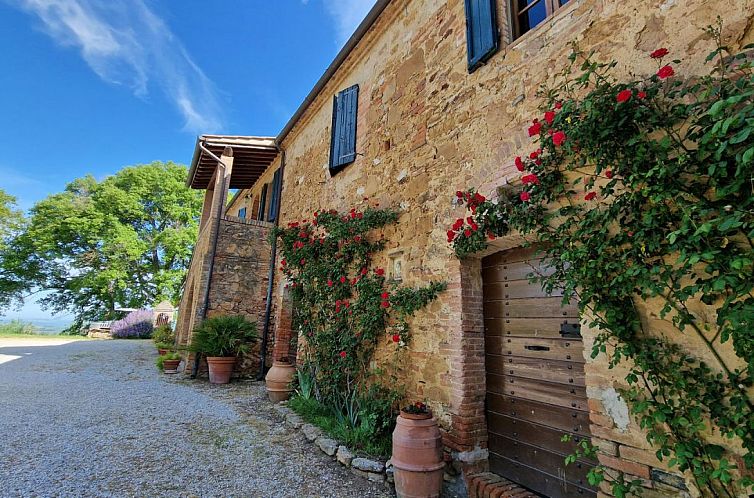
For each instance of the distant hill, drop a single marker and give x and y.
(45, 326)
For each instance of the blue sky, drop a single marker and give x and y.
(90, 86)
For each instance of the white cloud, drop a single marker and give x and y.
(125, 43)
(347, 15)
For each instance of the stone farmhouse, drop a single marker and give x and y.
(427, 97)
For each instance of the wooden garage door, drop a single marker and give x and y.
(535, 379)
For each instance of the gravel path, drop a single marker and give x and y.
(95, 418)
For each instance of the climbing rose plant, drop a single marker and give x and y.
(344, 306)
(637, 191)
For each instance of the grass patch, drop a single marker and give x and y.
(17, 327)
(361, 439)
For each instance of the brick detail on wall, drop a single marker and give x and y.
(489, 485)
(466, 352)
(285, 347)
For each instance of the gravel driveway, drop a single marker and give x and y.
(95, 418)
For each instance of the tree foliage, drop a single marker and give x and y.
(11, 222)
(638, 191)
(123, 241)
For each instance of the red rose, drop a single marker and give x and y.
(659, 53)
(642, 95)
(519, 163)
(550, 117)
(525, 196)
(396, 338)
(630, 234)
(302, 262)
(665, 72)
(458, 224)
(342, 280)
(451, 235)
(467, 232)
(535, 128)
(532, 178)
(590, 196)
(329, 283)
(342, 354)
(609, 173)
(364, 271)
(558, 138)
(355, 280)
(384, 295)
(284, 262)
(474, 226)
(479, 198)
(624, 96)
(379, 271)
(459, 194)
(357, 238)
(385, 304)
(534, 154)
(469, 220)
(558, 105)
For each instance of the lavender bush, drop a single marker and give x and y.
(136, 325)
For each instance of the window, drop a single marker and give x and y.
(263, 202)
(343, 139)
(482, 38)
(275, 197)
(529, 13)
(242, 212)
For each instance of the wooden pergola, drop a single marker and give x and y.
(251, 157)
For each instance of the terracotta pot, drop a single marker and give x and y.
(220, 368)
(417, 456)
(170, 366)
(278, 381)
(162, 352)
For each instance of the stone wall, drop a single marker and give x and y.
(426, 128)
(238, 286)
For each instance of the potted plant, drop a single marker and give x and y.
(417, 453)
(168, 362)
(164, 339)
(221, 339)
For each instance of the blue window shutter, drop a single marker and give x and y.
(263, 203)
(275, 198)
(482, 38)
(343, 135)
(242, 212)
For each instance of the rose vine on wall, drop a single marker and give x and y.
(344, 308)
(642, 191)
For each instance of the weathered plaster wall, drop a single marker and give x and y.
(426, 127)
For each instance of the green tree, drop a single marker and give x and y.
(11, 223)
(122, 241)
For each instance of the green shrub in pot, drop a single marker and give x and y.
(221, 339)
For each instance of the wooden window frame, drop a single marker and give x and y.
(551, 7)
(274, 196)
(476, 57)
(263, 203)
(343, 131)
